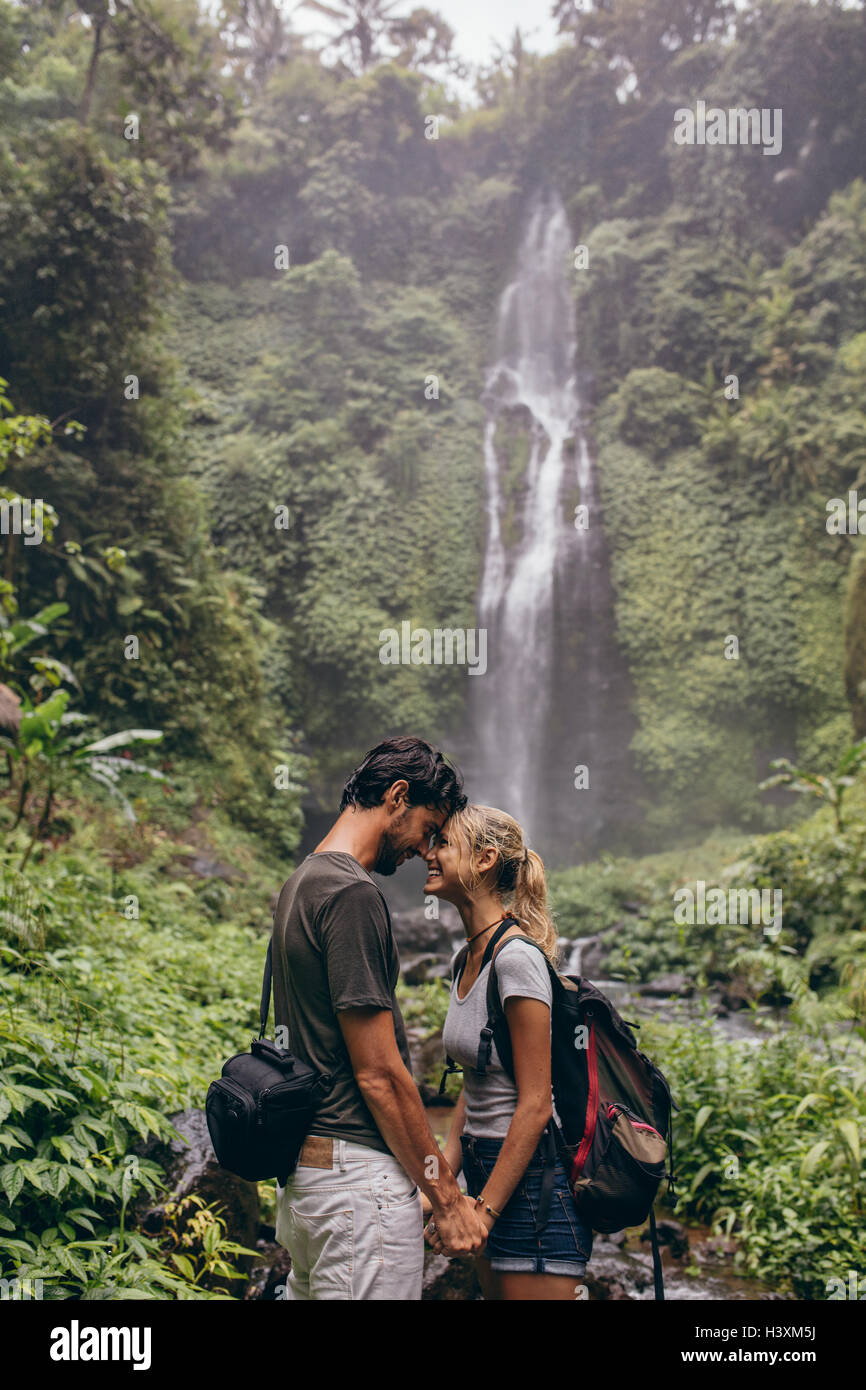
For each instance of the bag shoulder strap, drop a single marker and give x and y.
(265, 1005)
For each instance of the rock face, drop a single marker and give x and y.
(270, 1269)
(192, 1167)
(415, 933)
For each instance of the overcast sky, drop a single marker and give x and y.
(479, 25)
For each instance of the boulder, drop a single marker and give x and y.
(416, 934)
(671, 1234)
(192, 1167)
(416, 971)
(428, 1063)
(737, 994)
(269, 1271)
(449, 1281)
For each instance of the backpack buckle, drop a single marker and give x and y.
(485, 1049)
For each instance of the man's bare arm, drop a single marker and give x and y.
(395, 1104)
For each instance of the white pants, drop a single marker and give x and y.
(354, 1231)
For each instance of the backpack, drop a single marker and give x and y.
(260, 1110)
(613, 1103)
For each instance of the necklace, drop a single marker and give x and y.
(484, 929)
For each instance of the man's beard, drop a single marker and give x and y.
(391, 847)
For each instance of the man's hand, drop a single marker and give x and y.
(459, 1230)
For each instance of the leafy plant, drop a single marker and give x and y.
(828, 788)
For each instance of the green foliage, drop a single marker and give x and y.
(93, 1060)
(827, 788)
(768, 1148)
(196, 1237)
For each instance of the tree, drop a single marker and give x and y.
(162, 62)
(641, 38)
(369, 32)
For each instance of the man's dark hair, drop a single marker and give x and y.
(432, 781)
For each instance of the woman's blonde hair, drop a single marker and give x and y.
(518, 875)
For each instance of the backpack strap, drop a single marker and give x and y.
(496, 1029)
(451, 1067)
(485, 1044)
(658, 1280)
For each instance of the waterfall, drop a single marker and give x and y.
(556, 693)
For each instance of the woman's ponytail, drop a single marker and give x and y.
(530, 904)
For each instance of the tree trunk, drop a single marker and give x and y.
(84, 111)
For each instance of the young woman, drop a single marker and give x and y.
(479, 863)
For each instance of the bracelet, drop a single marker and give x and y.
(479, 1201)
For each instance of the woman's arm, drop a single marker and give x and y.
(529, 1025)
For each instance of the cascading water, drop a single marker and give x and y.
(556, 692)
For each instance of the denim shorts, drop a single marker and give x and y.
(565, 1244)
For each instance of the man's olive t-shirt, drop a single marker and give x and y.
(334, 949)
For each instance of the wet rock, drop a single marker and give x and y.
(736, 993)
(428, 1063)
(415, 933)
(269, 1272)
(672, 1235)
(665, 985)
(449, 1281)
(417, 972)
(607, 1290)
(192, 1168)
(582, 956)
(716, 1248)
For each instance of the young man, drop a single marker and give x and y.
(350, 1216)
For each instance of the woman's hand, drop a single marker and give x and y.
(436, 1243)
(426, 1206)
